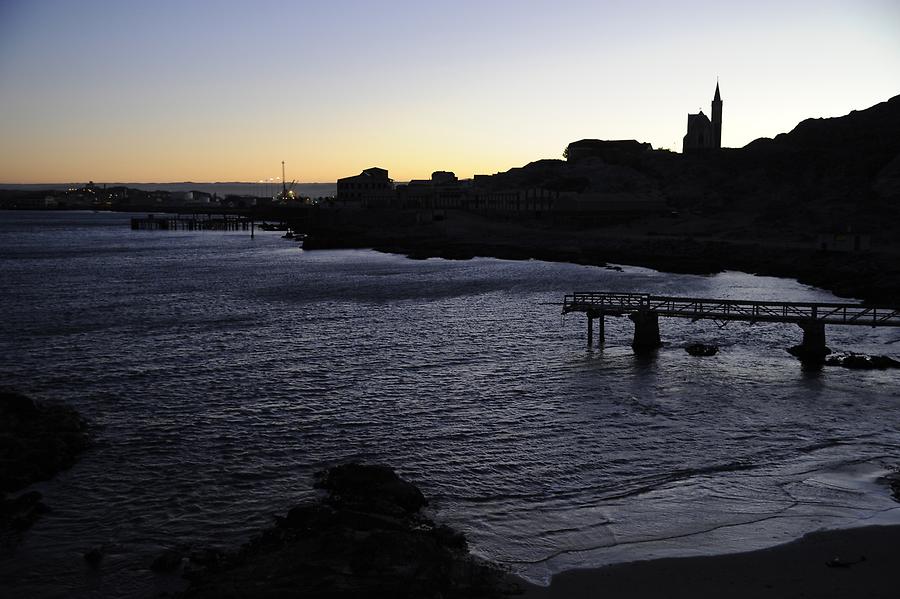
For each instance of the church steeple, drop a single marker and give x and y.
(705, 134)
(717, 119)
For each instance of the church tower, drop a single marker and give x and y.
(717, 119)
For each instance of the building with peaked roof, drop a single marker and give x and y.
(703, 133)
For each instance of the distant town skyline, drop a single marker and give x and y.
(203, 90)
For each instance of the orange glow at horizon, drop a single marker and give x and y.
(148, 95)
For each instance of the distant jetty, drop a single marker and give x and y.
(194, 222)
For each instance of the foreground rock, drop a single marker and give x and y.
(36, 442)
(367, 538)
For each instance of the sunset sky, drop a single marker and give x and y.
(210, 90)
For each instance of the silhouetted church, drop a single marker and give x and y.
(703, 134)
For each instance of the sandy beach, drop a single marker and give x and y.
(858, 562)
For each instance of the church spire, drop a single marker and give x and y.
(717, 119)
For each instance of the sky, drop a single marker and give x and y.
(224, 90)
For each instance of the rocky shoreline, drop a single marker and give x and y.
(871, 276)
(36, 441)
(366, 538)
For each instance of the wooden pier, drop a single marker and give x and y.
(193, 222)
(645, 309)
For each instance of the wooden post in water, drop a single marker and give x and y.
(591, 315)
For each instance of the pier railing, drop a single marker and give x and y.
(619, 304)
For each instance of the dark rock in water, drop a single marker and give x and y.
(375, 487)
(367, 538)
(19, 513)
(16, 405)
(702, 349)
(36, 442)
(892, 480)
(862, 362)
(167, 561)
(210, 559)
(93, 557)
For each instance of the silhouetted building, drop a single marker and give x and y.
(443, 178)
(370, 189)
(703, 133)
(619, 151)
(443, 190)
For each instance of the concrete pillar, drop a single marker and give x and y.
(591, 315)
(646, 331)
(813, 347)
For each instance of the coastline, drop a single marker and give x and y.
(871, 276)
(852, 562)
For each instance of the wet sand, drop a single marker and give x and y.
(858, 562)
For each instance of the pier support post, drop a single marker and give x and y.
(646, 331)
(813, 347)
(591, 315)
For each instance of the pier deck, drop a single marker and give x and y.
(722, 309)
(645, 309)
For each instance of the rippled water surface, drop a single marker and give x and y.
(219, 372)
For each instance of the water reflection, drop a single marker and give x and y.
(220, 387)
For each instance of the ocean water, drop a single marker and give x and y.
(219, 372)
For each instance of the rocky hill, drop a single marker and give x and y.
(825, 174)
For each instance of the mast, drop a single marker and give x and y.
(283, 183)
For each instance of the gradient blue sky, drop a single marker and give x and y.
(209, 90)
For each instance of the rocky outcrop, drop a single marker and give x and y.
(702, 349)
(36, 442)
(862, 362)
(892, 481)
(366, 538)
